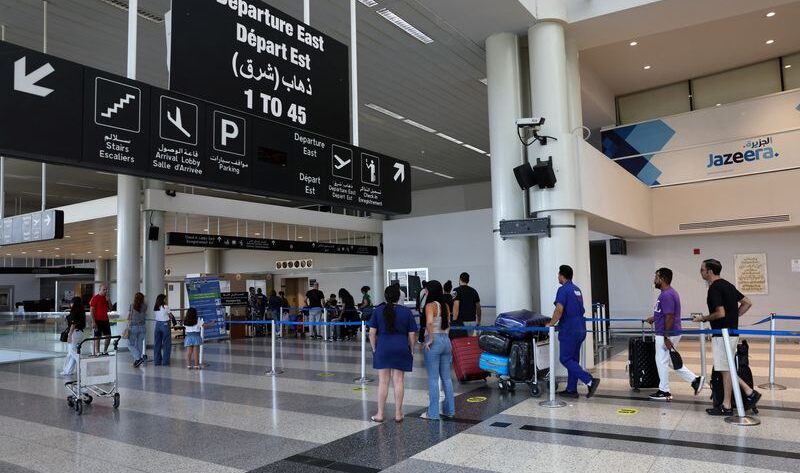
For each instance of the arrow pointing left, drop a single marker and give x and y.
(400, 174)
(24, 82)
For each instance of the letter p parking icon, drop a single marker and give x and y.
(229, 133)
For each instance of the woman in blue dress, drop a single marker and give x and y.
(392, 333)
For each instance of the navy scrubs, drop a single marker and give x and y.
(571, 334)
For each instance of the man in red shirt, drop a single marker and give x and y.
(98, 307)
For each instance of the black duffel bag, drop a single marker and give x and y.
(495, 343)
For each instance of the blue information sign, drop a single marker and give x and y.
(205, 297)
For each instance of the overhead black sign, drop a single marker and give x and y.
(31, 227)
(56, 111)
(249, 56)
(201, 240)
(234, 298)
(60, 271)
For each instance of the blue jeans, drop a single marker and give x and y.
(315, 316)
(162, 344)
(439, 363)
(135, 339)
(570, 355)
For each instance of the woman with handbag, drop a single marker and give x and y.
(76, 323)
(136, 329)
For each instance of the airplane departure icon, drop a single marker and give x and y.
(341, 162)
(176, 120)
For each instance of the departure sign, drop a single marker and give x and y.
(58, 111)
(253, 57)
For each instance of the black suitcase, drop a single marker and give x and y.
(742, 370)
(520, 360)
(642, 370)
(495, 343)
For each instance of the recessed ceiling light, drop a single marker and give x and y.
(56, 249)
(384, 111)
(770, 41)
(300, 237)
(788, 66)
(646, 68)
(105, 250)
(258, 234)
(89, 252)
(24, 252)
(115, 229)
(368, 3)
(8, 254)
(419, 125)
(72, 254)
(38, 251)
(449, 138)
(717, 105)
(58, 256)
(67, 236)
(770, 14)
(477, 150)
(205, 229)
(404, 25)
(418, 168)
(91, 233)
(444, 175)
(633, 43)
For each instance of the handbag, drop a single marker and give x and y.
(65, 335)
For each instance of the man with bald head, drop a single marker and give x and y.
(98, 307)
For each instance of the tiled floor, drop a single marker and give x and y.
(230, 417)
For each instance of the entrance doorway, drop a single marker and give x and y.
(598, 261)
(295, 290)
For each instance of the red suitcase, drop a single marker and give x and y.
(466, 355)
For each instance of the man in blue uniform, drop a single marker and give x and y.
(568, 314)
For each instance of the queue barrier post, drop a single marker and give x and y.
(605, 329)
(363, 379)
(325, 326)
(273, 371)
(703, 362)
(552, 402)
(740, 418)
(772, 385)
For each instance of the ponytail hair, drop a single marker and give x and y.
(392, 295)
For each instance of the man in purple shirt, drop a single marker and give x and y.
(667, 324)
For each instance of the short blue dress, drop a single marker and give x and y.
(392, 350)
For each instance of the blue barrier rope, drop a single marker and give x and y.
(788, 317)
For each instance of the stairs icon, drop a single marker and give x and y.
(119, 105)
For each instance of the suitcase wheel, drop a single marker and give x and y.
(511, 385)
(535, 392)
(501, 385)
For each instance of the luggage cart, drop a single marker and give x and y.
(97, 374)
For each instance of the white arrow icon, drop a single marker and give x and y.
(400, 174)
(27, 82)
(47, 219)
(342, 163)
(176, 120)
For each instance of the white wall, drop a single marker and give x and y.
(450, 199)
(631, 293)
(446, 244)
(26, 286)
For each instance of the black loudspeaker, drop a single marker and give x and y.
(545, 176)
(525, 176)
(618, 246)
(152, 233)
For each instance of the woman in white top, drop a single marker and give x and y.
(162, 343)
(193, 339)
(438, 353)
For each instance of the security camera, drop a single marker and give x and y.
(170, 192)
(531, 122)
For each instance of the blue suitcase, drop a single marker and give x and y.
(518, 319)
(496, 364)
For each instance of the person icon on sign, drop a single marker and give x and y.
(371, 167)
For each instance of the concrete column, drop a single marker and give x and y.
(379, 282)
(548, 65)
(211, 261)
(583, 278)
(154, 255)
(511, 256)
(100, 275)
(128, 262)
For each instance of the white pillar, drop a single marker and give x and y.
(511, 256)
(211, 261)
(378, 275)
(154, 254)
(100, 275)
(128, 200)
(546, 44)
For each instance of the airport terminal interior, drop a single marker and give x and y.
(215, 215)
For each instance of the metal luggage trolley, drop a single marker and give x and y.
(97, 374)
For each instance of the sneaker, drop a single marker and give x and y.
(424, 415)
(138, 362)
(719, 411)
(448, 416)
(752, 400)
(593, 387)
(660, 396)
(697, 384)
(569, 394)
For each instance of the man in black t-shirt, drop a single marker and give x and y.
(725, 305)
(466, 303)
(314, 299)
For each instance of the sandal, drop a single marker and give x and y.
(375, 419)
(400, 420)
(190, 367)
